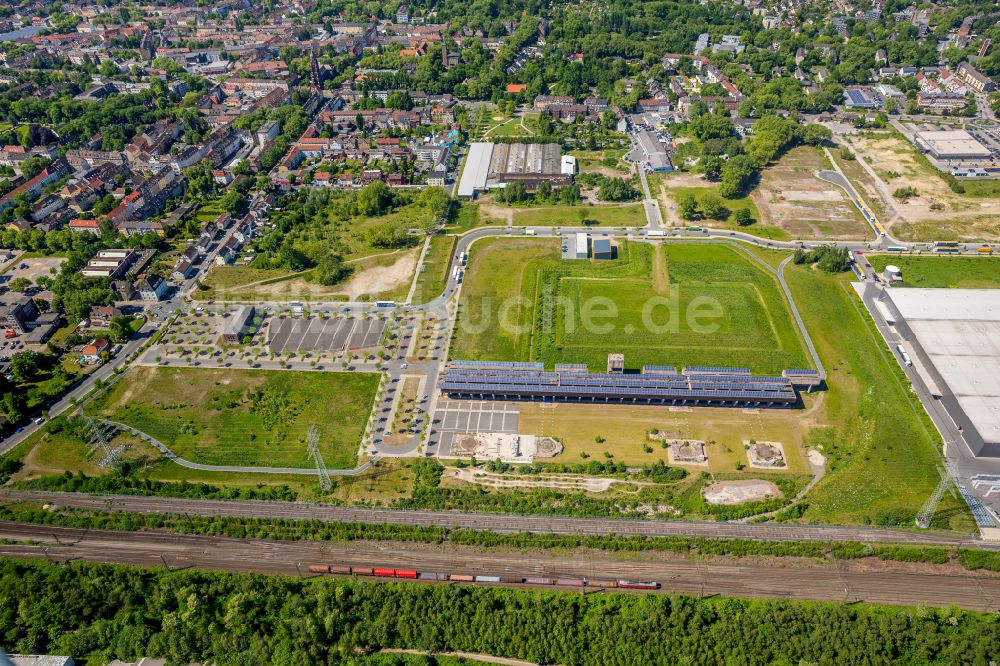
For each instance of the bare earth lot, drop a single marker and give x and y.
(792, 197)
(937, 213)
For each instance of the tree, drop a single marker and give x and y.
(435, 200)
(20, 284)
(711, 166)
(386, 235)
(374, 199)
(24, 366)
(331, 270)
(736, 175)
(711, 205)
(687, 206)
(515, 192)
(121, 328)
(233, 202)
(743, 217)
(617, 189)
(15, 405)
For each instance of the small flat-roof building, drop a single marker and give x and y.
(582, 247)
(951, 145)
(602, 248)
(238, 324)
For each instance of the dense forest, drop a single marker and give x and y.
(103, 612)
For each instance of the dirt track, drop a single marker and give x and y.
(852, 582)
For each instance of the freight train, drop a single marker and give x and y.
(386, 572)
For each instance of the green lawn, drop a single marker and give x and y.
(431, 280)
(942, 272)
(672, 305)
(462, 217)
(880, 444)
(631, 215)
(245, 417)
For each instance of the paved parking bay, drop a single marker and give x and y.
(465, 416)
(317, 334)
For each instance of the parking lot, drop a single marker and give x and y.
(317, 334)
(468, 416)
(31, 270)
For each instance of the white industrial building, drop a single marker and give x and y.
(582, 248)
(959, 331)
(951, 145)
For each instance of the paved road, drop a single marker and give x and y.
(493, 522)
(851, 582)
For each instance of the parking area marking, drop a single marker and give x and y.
(317, 334)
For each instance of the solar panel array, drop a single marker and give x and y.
(499, 364)
(572, 367)
(799, 372)
(659, 370)
(529, 379)
(711, 370)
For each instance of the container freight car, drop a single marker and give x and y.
(538, 581)
(638, 585)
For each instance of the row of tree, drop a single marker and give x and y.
(100, 612)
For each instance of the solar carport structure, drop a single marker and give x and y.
(529, 382)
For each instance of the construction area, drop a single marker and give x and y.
(506, 447)
(791, 197)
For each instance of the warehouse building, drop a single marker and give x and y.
(495, 165)
(656, 385)
(951, 145)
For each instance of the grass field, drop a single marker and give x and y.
(594, 161)
(54, 453)
(245, 417)
(943, 272)
(462, 217)
(385, 276)
(676, 305)
(631, 215)
(880, 444)
(624, 431)
(431, 281)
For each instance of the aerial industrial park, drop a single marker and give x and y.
(337, 332)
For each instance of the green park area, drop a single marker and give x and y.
(942, 272)
(244, 417)
(614, 215)
(664, 305)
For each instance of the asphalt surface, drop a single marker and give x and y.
(502, 523)
(844, 582)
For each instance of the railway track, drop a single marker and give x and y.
(891, 584)
(492, 522)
